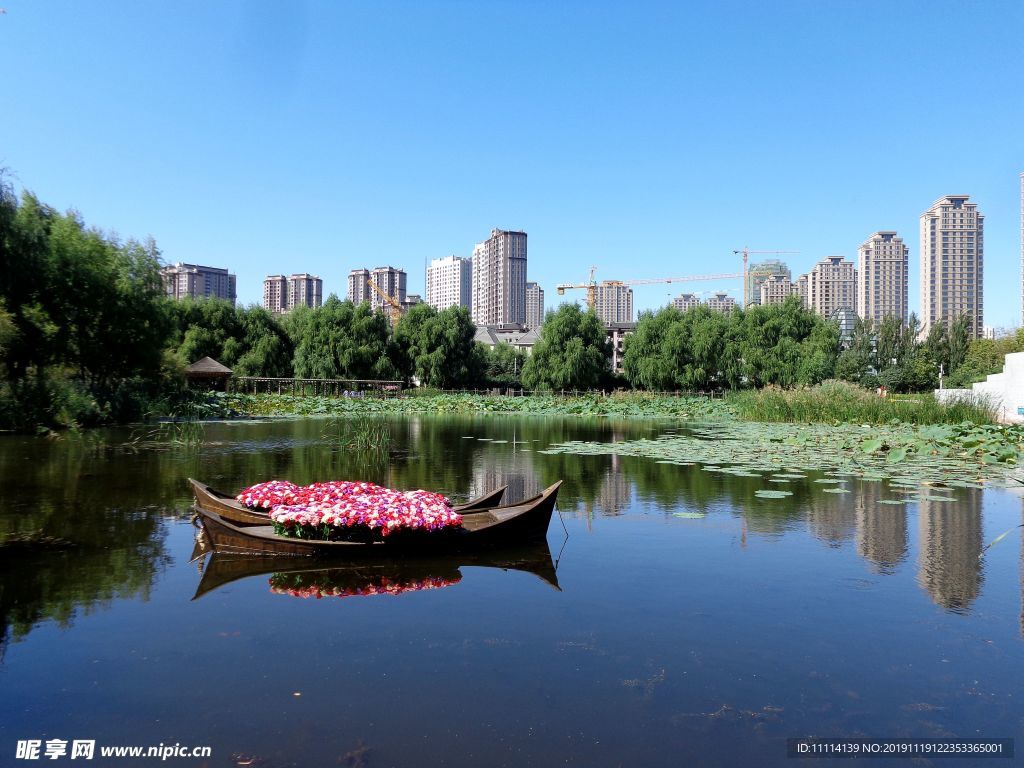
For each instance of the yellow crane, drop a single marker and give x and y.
(746, 285)
(394, 309)
(591, 285)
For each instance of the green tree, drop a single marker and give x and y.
(438, 347)
(572, 352)
(505, 364)
(342, 341)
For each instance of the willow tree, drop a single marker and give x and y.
(573, 352)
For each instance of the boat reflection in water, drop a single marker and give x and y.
(331, 577)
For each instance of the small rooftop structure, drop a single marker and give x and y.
(208, 373)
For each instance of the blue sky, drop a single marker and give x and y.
(649, 139)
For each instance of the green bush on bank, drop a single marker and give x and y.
(841, 402)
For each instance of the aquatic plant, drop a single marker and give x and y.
(845, 403)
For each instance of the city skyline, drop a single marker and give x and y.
(761, 149)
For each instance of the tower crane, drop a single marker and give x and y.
(394, 309)
(591, 285)
(746, 253)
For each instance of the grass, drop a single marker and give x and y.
(839, 402)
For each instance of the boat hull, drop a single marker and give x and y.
(498, 526)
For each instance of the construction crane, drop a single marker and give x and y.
(746, 253)
(591, 285)
(394, 309)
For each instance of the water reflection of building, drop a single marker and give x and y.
(950, 545)
(833, 518)
(615, 492)
(493, 468)
(881, 529)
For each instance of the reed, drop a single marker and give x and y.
(841, 402)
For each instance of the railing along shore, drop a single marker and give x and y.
(389, 389)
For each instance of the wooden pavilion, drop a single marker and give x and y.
(207, 373)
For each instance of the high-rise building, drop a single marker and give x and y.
(391, 281)
(882, 272)
(358, 288)
(950, 542)
(803, 291)
(305, 290)
(952, 259)
(499, 279)
(275, 294)
(775, 289)
(450, 282)
(758, 273)
(534, 305)
(183, 281)
(832, 286)
(722, 302)
(614, 302)
(685, 301)
(1022, 249)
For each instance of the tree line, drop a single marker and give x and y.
(88, 336)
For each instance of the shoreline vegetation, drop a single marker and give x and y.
(831, 402)
(834, 426)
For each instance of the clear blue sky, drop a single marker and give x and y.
(649, 139)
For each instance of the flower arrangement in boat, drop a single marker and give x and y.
(336, 510)
(301, 585)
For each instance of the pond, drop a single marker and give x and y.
(677, 616)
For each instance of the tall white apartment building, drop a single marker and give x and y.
(882, 272)
(722, 302)
(685, 301)
(358, 289)
(450, 282)
(275, 294)
(614, 302)
(832, 286)
(391, 281)
(775, 289)
(305, 290)
(534, 305)
(952, 256)
(182, 281)
(499, 279)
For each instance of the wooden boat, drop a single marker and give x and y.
(230, 509)
(498, 526)
(361, 575)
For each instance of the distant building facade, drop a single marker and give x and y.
(775, 289)
(883, 267)
(182, 281)
(832, 286)
(685, 301)
(952, 261)
(534, 305)
(305, 290)
(499, 279)
(617, 333)
(450, 282)
(275, 294)
(758, 273)
(358, 286)
(614, 302)
(391, 281)
(722, 302)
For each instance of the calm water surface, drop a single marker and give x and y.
(640, 638)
